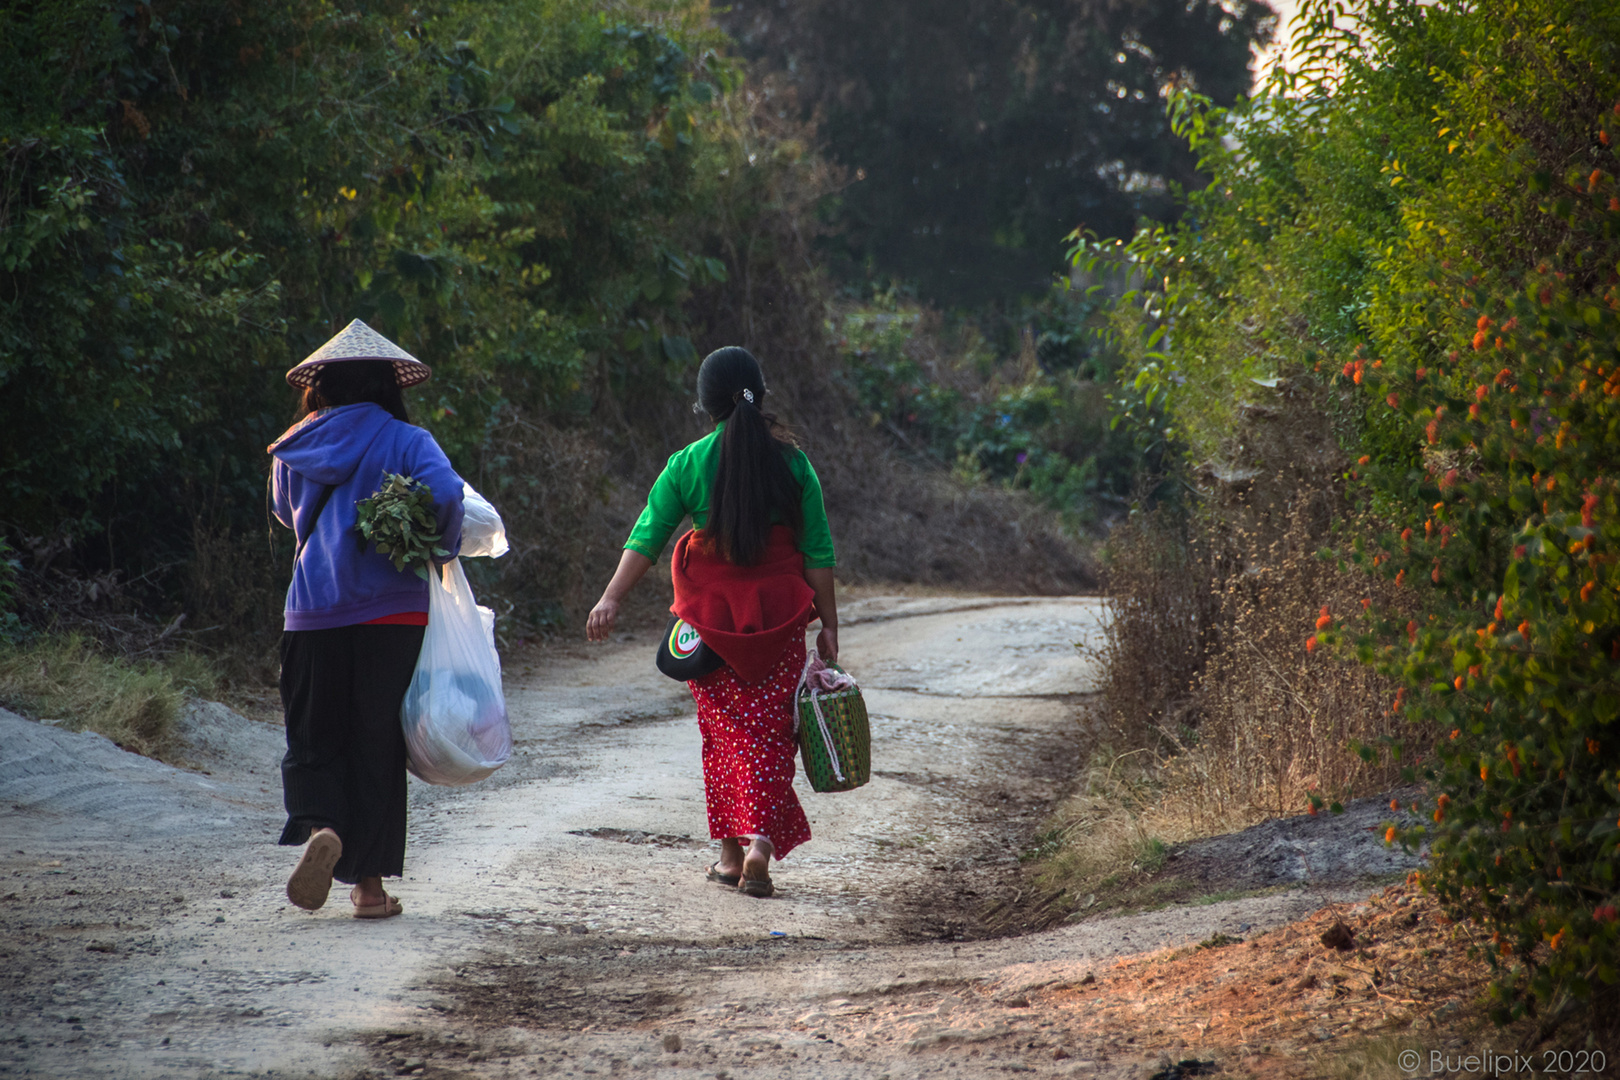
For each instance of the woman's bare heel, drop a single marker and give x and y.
(756, 868)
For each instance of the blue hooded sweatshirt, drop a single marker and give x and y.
(335, 582)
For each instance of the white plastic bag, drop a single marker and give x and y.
(454, 713)
(482, 531)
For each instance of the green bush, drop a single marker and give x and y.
(529, 195)
(1422, 230)
(944, 393)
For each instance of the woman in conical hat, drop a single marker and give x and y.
(756, 570)
(354, 624)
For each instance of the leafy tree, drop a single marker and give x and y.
(977, 134)
(1423, 229)
(194, 195)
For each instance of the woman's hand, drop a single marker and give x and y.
(600, 622)
(827, 644)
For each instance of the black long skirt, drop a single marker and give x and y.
(345, 764)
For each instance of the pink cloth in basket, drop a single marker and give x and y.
(823, 679)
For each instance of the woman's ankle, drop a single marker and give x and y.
(758, 854)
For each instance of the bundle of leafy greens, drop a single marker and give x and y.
(398, 519)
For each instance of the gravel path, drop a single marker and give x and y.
(556, 918)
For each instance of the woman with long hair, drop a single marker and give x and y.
(354, 624)
(750, 577)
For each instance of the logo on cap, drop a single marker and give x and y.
(683, 640)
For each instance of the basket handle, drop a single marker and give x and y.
(821, 721)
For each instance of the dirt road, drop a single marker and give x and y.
(556, 917)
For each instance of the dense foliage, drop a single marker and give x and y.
(1037, 421)
(194, 195)
(977, 134)
(1420, 234)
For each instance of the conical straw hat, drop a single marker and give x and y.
(357, 341)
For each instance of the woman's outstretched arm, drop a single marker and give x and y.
(821, 580)
(632, 565)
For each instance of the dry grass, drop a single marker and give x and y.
(1214, 716)
(69, 682)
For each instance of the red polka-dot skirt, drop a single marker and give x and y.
(748, 752)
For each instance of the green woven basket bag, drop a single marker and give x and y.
(835, 739)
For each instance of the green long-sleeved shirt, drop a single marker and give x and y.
(685, 485)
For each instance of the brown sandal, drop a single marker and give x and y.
(760, 887)
(311, 879)
(728, 880)
(389, 907)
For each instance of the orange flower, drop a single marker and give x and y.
(1484, 771)
(1481, 392)
(1454, 733)
(1524, 629)
(1504, 375)
(1324, 620)
(1592, 747)
(1363, 459)
(1586, 591)
(1431, 431)
(1310, 808)
(1395, 804)
(1411, 627)
(1389, 835)
(1588, 507)
(1479, 340)
(1421, 373)
(1557, 939)
(1458, 682)
(1449, 480)
(1499, 609)
(1434, 575)
(1393, 400)
(1310, 644)
(1400, 577)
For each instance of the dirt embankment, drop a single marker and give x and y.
(557, 921)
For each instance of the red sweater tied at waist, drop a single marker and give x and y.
(747, 614)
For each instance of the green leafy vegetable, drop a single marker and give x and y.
(398, 519)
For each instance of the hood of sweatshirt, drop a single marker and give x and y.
(326, 447)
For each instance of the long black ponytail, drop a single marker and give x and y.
(754, 481)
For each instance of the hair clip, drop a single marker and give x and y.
(748, 395)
